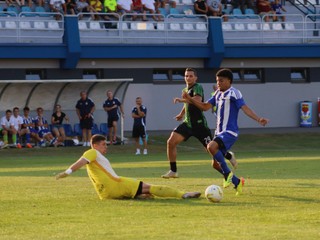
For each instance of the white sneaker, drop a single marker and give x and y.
(170, 174)
(84, 144)
(88, 144)
(138, 152)
(145, 152)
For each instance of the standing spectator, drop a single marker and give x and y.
(264, 9)
(215, 8)
(7, 128)
(18, 121)
(58, 6)
(57, 123)
(111, 106)
(28, 129)
(278, 8)
(85, 108)
(201, 7)
(42, 126)
(139, 113)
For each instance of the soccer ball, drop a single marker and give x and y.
(214, 193)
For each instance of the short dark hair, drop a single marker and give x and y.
(26, 108)
(192, 70)
(97, 138)
(8, 111)
(225, 72)
(15, 108)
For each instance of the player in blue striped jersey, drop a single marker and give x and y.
(28, 128)
(43, 129)
(228, 101)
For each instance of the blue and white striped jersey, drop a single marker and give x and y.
(227, 104)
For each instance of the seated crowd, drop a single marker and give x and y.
(94, 8)
(24, 130)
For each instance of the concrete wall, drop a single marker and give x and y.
(277, 101)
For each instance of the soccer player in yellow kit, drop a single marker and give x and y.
(109, 185)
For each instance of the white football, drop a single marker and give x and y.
(214, 193)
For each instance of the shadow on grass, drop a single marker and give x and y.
(288, 169)
(304, 200)
(192, 202)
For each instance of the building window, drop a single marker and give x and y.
(35, 74)
(247, 75)
(298, 75)
(172, 75)
(92, 74)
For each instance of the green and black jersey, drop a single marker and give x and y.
(193, 115)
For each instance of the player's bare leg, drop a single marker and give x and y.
(172, 143)
(115, 128)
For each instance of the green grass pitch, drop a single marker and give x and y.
(281, 197)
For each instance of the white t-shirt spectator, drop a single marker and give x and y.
(17, 121)
(149, 4)
(125, 4)
(6, 123)
(57, 3)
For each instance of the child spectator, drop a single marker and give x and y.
(278, 8)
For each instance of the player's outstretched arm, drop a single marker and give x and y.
(74, 167)
(196, 100)
(250, 113)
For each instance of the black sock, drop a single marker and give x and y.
(228, 156)
(173, 166)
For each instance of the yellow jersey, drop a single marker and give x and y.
(106, 182)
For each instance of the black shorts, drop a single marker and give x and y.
(139, 131)
(86, 123)
(201, 132)
(111, 120)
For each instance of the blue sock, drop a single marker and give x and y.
(235, 180)
(28, 137)
(220, 158)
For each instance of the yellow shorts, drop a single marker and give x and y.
(124, 188)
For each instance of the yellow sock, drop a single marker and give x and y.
(165, 191)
